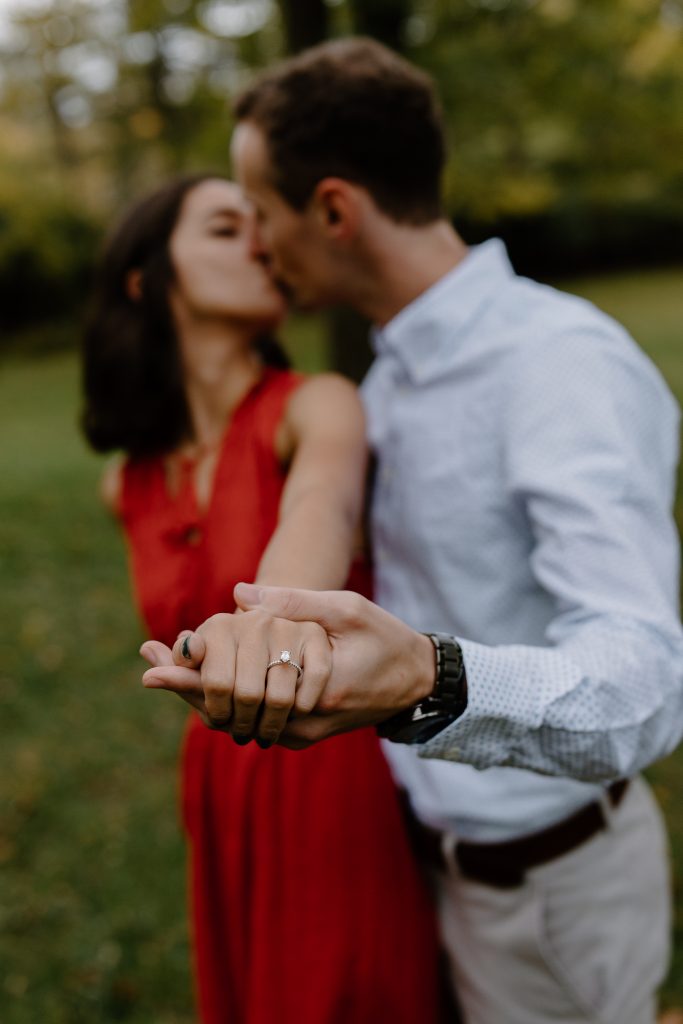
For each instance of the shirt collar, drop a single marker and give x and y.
(424, 335)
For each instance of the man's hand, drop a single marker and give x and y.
(379, 665)
(222, 671)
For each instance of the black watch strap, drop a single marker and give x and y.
(450, 686)
(447, 701)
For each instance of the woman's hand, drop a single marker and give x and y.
(380, 666)
(221, 669)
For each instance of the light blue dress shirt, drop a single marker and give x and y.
(527, 452)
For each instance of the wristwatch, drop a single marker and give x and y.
(446, 702)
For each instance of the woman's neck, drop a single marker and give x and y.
(219, 367)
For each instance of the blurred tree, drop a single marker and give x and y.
(99, 102)
(306, 23)
(564, 117)
(382, 19)
(557, 105)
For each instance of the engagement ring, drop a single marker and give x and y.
(286, 659)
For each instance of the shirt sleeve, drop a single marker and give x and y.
(590, 441)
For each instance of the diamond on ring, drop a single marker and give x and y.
(286, 659)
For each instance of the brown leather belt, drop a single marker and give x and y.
(504, 865)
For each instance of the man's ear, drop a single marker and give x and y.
(338, 208)
(134, 284)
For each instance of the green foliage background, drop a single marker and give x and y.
(565, 121)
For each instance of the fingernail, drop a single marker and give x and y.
(242, 740)
(264, 744)
(185, 649)
(149, 655)
(249, 592)
(152, 682)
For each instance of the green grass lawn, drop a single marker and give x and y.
(93, 903)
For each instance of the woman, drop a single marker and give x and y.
(307, 906)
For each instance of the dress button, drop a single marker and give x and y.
(193, 535)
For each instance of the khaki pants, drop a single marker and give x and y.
(584, 939)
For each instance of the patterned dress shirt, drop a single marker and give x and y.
(527, 453)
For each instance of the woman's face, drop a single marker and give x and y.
(216, 276)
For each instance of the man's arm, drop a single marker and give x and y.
(591, 439)
(591, 443)
(380, 666)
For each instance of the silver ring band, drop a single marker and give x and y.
(286, 659)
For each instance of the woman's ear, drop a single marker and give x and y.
(134, 284)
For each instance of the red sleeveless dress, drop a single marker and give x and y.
(307, 906)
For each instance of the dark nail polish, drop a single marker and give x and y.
(264, 744)
(185, 648)
(242, 740)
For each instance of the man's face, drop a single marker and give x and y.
(293, 242)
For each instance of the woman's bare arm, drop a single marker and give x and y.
(323, 434)
(324, 429)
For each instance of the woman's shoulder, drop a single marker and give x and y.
(325, 397)
(321, 388)
(127, 481)
(325, 406)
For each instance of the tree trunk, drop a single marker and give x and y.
(349, 343)
(305, 21)
(382, 19)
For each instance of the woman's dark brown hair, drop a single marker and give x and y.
(132, 373)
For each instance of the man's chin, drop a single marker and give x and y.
(294, 298)
(286, 290)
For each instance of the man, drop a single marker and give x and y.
(522, 517)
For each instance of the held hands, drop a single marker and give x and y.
(222, 671)
(360, 666)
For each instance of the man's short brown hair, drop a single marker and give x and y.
(352, 109)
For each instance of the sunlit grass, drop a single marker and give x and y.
(93, 898)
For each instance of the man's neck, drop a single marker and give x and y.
(400, 263)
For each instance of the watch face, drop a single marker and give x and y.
(417, 725)
(420, 732)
